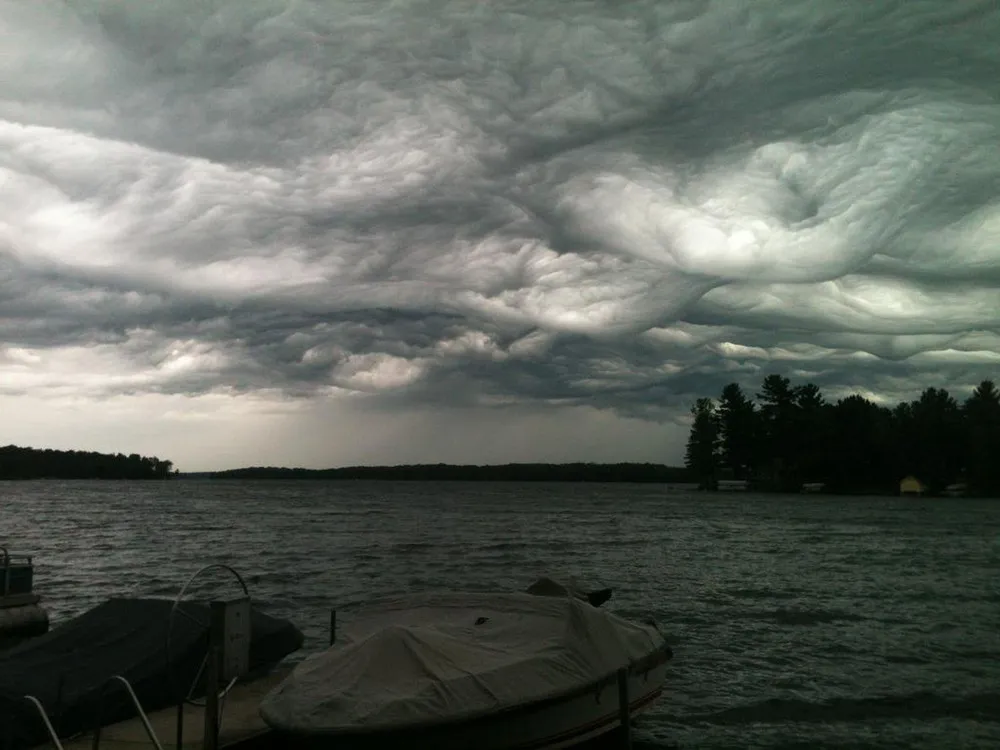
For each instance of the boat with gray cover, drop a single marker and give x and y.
(471, 671)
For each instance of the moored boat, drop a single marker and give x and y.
(471, 671)
(68, 670)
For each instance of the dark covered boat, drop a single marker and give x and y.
(67, 669)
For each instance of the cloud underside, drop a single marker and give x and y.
(610, 204)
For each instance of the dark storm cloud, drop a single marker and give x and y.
(624, 205)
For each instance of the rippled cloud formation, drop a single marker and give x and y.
(518, 207)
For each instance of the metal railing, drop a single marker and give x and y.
(45, 719)
(6, 558)
(150, 732)
(54, 735)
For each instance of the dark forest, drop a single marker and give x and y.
(574, 472)
(33, 463)
(790, 435)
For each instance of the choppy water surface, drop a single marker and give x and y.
(797, 622)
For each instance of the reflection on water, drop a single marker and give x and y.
(803, 622)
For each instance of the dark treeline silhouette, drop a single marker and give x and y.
(790, 435)
(33, 463)
(577, 472)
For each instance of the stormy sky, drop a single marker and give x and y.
(325, 232)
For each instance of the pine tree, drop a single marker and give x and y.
(982, 437)
(779, 422)
(937, 426)
(738, 432)
(702, 455)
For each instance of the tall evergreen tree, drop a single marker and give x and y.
(939, 447)
(737, 432)
(812, 433)
(981, 413)
(779, 423)
(860, 438)
(702, 456)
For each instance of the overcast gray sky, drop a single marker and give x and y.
(319, 233)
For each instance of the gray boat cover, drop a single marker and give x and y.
(417, 662)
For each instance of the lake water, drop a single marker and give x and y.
(797, 622)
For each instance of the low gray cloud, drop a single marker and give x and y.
(452, 204)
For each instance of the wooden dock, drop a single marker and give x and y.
(241, 727)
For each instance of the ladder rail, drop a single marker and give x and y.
(45, 719)
(150, 732)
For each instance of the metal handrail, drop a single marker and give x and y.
(45, 718)
(150, 732)
(175, 610)
(7, 558)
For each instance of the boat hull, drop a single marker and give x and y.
(21, 616)
(548, 725)
(23, 622)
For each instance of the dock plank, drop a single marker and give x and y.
(240, 722)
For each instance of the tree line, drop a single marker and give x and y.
(33, 463)
(572, 472)
(791, 435)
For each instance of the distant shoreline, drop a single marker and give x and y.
(622, 473)
(571, 472)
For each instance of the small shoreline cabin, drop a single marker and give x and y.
(910, 485)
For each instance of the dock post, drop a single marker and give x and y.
(8, 727)
(216, 634)
(180, 724)
(228, 658)
(95, 743)
(210, 738)
(60, 688)
(5, 559)
(333, 626)
(624, 713)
